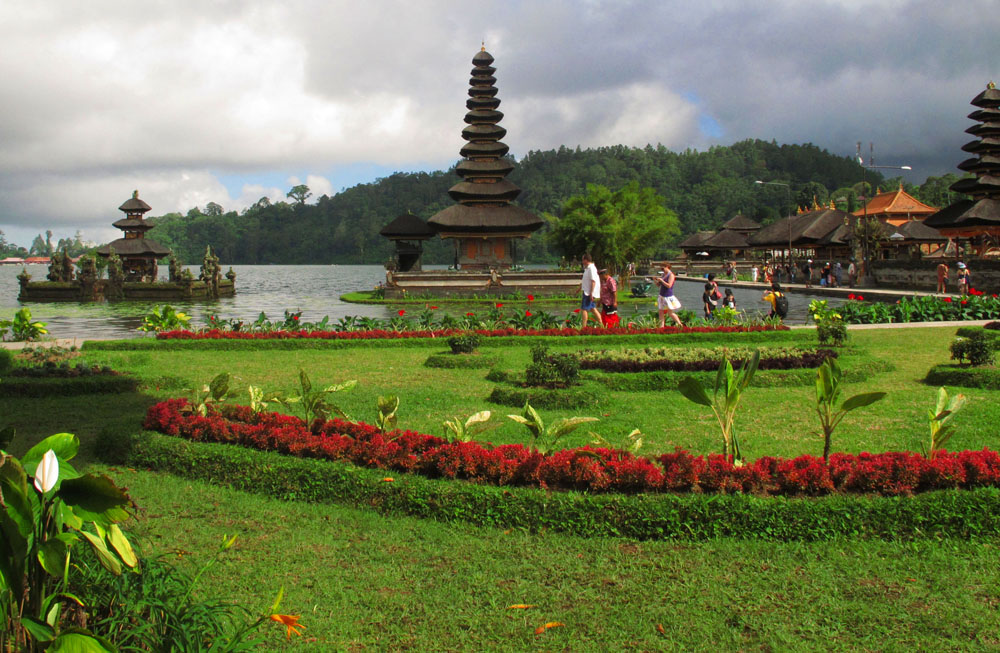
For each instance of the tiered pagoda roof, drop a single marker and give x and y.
(980, 214)
(484, 195)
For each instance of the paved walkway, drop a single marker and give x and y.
(875, 294)
(65, 343)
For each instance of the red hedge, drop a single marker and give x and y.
(377, 334)
(584, 468)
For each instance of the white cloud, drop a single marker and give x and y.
(105, 96)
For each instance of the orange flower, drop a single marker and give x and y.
(289, 621)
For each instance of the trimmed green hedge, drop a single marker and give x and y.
(663, 340)
(561, 398)
(966, 376)
(648, 381)
(992, 335)
(953, 513)
(12, 386)
(463, 361)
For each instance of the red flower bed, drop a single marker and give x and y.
(585, 468)
(377, 334)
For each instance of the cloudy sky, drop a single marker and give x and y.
(199, 101)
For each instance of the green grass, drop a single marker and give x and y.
(363, 581)
(368, 582)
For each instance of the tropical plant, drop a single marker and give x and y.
(828, 388)
(387, 407)
(41, 521)
(939, 418)
(727, 392)
(632, 442)
(544, 439)
(214, 392)
(315, 402)
(164, 318)
(22, 328)
(830, 325)
(463, 431)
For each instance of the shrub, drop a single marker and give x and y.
(976, 348)
(551, 370)
(542, 397)
(464, 344)
(986, 377)
(833, 332)
(49, 386)
(6, 361)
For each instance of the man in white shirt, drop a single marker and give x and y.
(590, 286)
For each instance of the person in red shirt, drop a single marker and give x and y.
(609, 299)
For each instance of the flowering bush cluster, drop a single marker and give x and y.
(595, 469)
(976, 306)
(377, 334)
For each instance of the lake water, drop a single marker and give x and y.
(313, 289)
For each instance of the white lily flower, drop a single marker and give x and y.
(47, 473)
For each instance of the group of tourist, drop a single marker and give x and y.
(963, 278)
(598, 287)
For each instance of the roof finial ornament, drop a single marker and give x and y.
(483, 49)
(135, 194)
(991, 85)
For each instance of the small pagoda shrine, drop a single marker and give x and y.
(977, 218)
(138, 253)
(484, 224)
(131, 270)
(408, 233)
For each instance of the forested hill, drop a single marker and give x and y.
(703, 188)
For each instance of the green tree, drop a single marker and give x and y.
(299, 193)
(213, 209)
(615, 227)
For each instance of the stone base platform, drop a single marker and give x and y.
(463, 283)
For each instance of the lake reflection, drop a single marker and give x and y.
(313, 289)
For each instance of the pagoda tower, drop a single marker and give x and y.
(980, 215)
(484, 223)
(138, 253)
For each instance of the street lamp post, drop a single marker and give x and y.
(865, 258)
(788, 202)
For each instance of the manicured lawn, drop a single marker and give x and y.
(364, 581)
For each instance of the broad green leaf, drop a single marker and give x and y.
(305, 382)
(219, 386)
(862, 400)
(942, 400)
(18, 507)
(64, 444)
(337, 387)
(748, 370)
(122, 546)
(519, 419)
(77, 640)
(106, 558)
(692, 390)
(566, 425)
(52, 556)
(533, 415)
(38, 629)
(95, 498)
(478, 418)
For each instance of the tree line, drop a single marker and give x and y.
(703, 189)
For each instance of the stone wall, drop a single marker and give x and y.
(922, 274)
